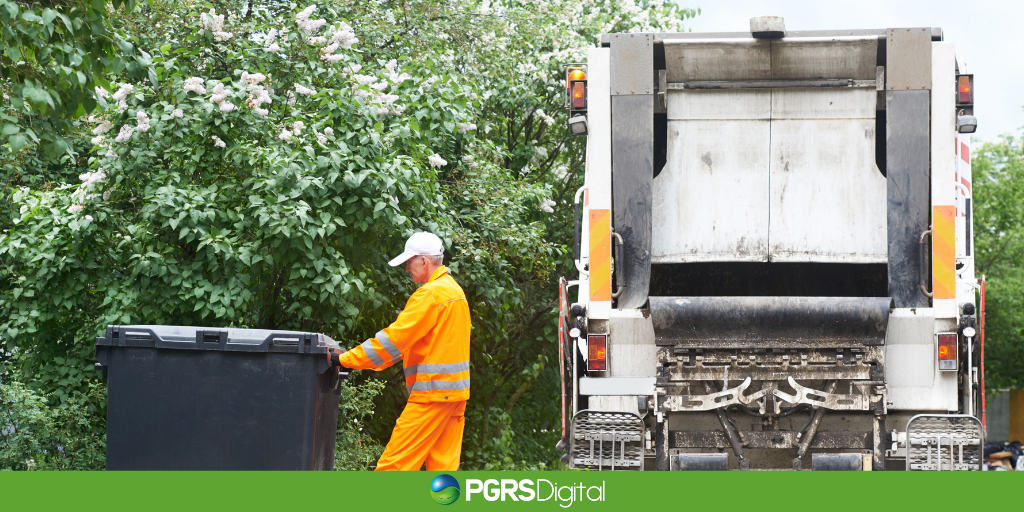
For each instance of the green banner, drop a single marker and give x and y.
(576, 490)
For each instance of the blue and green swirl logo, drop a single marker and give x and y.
(445, 489)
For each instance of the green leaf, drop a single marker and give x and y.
(17, 142)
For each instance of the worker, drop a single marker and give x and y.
(431, 338)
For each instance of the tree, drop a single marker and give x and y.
(56, 53)
(278, 159)
(998, 171)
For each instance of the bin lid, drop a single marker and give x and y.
(216, 338)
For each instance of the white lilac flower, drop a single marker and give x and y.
(364, 79)
(329, 131)
(355, 68)
(345, 37)
(466, 127)
(217, 142)
(303, 90)
(177, 113)
(219, 94)
(383, 111)
(122, 105)
(97, 140)
(123, 92)
(262, 111)
(88, 218)
(220, 37)
(227, 106)
(195, 84)
(398, 79)
(291, 99)
(143, 119)
(435, 160)
(361, 93)
(561, 172)
(387, 99)
(75, 208)
(124, 134)
(102, 93)
(92, 177)
(548, 206)
(380, 86)
(285, 135)
(548, 120)
(104, 127)
(332, 59)
(297, 127)
(212, 21)
(426, 85)
(316, 40)
(307, 25)
(391, 65)
(329, 48)
(106, 196)
(320, 138)
(398, 110)
(273, 48)
(253, 79)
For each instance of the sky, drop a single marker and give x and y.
(987, 34)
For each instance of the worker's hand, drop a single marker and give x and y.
(334, 357)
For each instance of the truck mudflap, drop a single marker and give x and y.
(608, 441)
(944, 442)
(770, 321)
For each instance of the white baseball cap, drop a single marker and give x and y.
(419, 244)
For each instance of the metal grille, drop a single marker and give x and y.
(944, 442)
(607, 441)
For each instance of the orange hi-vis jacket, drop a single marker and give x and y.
(431, 336)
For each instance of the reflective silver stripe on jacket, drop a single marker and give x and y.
(388, 346)
(440, 385)
(437, 368)
(371, 353)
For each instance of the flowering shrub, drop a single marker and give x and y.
(275, 160)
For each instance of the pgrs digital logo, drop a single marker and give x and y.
(444, 489)
(534, 490)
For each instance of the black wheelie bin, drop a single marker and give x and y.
(199, 398)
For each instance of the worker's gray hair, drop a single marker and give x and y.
(435, 260)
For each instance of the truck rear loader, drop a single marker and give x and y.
(774, 254)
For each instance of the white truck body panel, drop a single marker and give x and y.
(783, 175)
(943, 147)
(599, 156)
(712, 196)
(912, 378)
(828, 202)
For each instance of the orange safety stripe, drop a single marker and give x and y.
(600, 255)
(943, 253)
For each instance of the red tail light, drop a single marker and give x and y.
(947, 351)
(597, 352)
(947, 347)
(579, 94)
(965, 89)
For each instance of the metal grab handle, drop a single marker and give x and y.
(577, 227)
(576, 232)
(920, 252)
(618, 264)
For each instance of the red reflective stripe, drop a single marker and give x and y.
(965, 153)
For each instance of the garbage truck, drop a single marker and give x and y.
(774, 254)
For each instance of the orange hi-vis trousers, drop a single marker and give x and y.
(426, 432)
